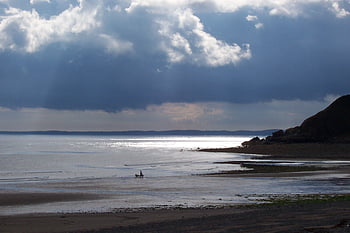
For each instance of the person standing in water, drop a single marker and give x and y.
(139, 175)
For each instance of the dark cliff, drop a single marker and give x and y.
(330, 125)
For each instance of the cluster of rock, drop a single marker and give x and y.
(331, 125)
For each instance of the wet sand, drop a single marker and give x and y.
(328, 216)
(273, 168)
(332, 216)
(13, 199)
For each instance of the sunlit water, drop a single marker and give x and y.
(106, 165)
(50, 157)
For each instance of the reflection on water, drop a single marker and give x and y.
(53, 157)
(106, 166)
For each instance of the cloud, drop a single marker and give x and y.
(339, 12)
(185, 111)
(116, 55)
(254, 18)
(26, 31)
(181, 111)
(290, 8)
(185, 39)
(168, 116)
(38, 1)
(114, 45)
(259, 25)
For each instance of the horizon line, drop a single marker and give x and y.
(141, 132)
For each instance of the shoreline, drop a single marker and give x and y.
(299, 151)
(311, 153)
(300, 215)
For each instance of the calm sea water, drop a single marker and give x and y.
(34, 157)
(106, 165)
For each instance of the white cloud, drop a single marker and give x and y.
(251, 18)
(259, 25)
(254, 18)
(290, 8)
(37, 1)
(183, 35)
(338, 11)
(185, 39)
(117, 8)
(27, 31)
(114, 45)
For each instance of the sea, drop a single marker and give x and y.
(174, 173)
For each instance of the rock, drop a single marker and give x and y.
(279, 133)
(330, 125)
(253, 141)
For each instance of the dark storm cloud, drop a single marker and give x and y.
(124, 65)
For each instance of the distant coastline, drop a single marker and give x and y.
(147, 133)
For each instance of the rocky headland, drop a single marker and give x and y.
(325, 135)
(331, 125)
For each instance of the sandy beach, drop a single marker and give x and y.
(19, 198)
(329, 215)
(324, 216)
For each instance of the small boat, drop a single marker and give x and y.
(139, 175)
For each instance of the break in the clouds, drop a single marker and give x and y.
(135, 55)
(168, 116)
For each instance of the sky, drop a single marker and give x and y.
(165, 64)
